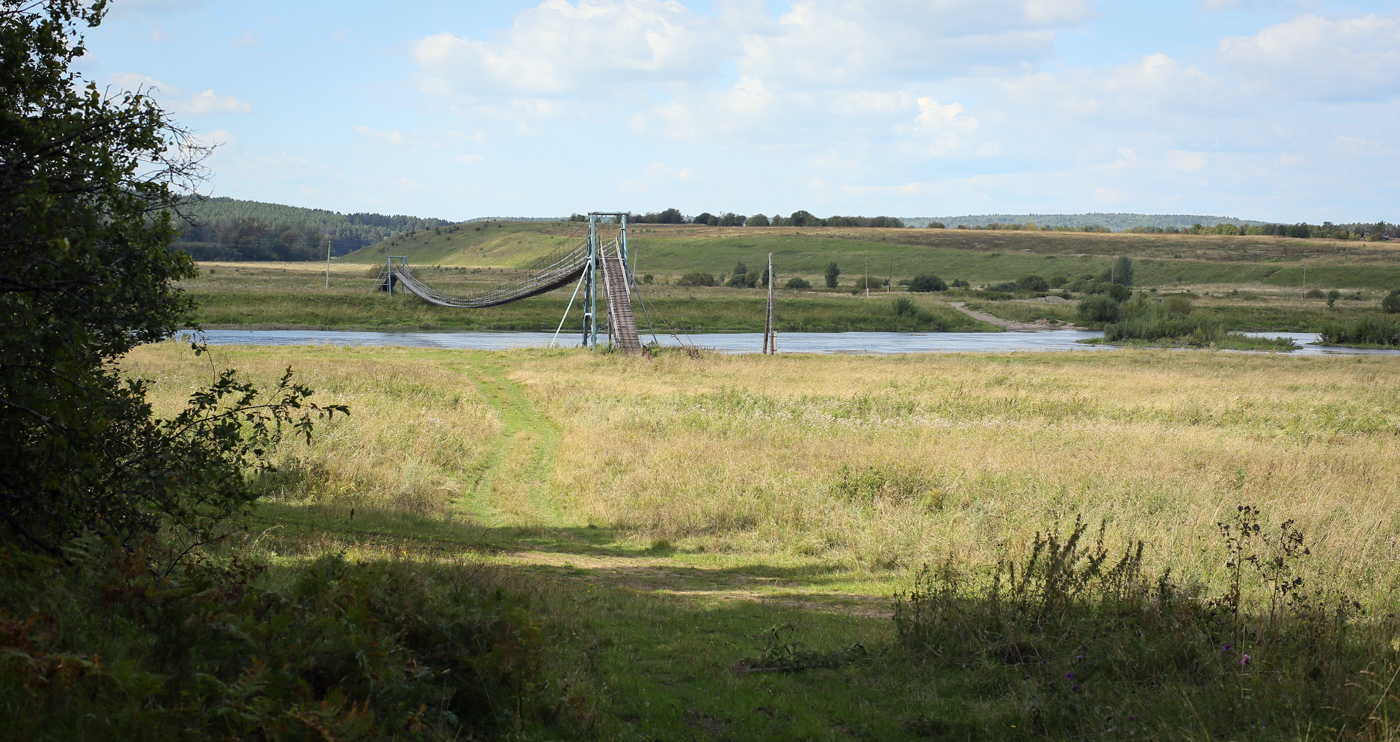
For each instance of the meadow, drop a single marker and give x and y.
(711, 543)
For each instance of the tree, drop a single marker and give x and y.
(1332, 297)
(757, 220)
(703, 218)
(796, 284)
(926, 282)
(1122, 270)
(88, 183)
(832, 273)
(1391, 303)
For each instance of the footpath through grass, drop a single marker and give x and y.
(711, 544)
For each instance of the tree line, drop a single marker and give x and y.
(232, 229)
(799, 218)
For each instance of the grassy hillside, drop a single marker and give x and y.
(977, 256)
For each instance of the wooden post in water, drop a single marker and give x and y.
(770, 333)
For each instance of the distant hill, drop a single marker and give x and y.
(1116, 222)
(232, 229)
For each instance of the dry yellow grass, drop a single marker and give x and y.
(882, 463)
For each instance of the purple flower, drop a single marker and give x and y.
(1075, 689)
(1069, 676)
(1078, 657)
(1244, 660)
(1227, 648)
(1132, 718)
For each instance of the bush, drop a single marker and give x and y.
(1178, 304)
(1365, 331)
(926, 282)
(1119, 292)
(1314, 294)
(1077, 633)
(1009, 287)
(1391, 303)
(958, 283)
(1032, 283)
(797, 284)
(696, 279)
(401, 648)
(1098, 310)
(905, 307)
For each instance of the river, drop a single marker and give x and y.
(750, 342)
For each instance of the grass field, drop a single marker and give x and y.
(978, 256)
(682, 524)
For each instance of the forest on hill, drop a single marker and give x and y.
(233, 229)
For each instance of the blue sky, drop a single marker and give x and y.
(1264, 109)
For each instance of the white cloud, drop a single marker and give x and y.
(560, 48)
(471, 159)
(207, 102)
(391, 137)
(1320, 59)
(135, 81)
(944, 131)
(247, 38)
(1221, 6)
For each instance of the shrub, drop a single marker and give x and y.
(926, 282)
(1119, 292)
(833, 273)
(1078, 632)
(905, 307)
(1332, 297)
(798, 283)
(1314, 294)
(696, 279)
(1390, 304)
(1058, 282)
(1098, 309)
(1178, 304)
(958, 283)
(1009, 287)
(1032, 283)
(1365, 331)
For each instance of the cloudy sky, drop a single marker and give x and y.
(1265, 109)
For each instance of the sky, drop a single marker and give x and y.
(1279, 110)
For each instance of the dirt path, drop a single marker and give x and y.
(1006, 324)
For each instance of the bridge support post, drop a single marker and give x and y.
(590, 279)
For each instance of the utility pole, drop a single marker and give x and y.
(867, 279)
(889, 284)
(770, 333)
(327, 238)
(1305, 279)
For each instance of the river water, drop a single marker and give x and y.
(751, 342)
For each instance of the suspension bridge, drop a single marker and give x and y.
(586, 264)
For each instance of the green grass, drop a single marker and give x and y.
(977, 256)
(273, 296)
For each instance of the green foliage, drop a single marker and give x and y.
(1119, 292)
(1074, 629)
(697, 279)
(743, 279)
(1332, 297)
(1391, 303)
(833, 273)
(1377, 331)
(757, 220)
(231, 229)
(797, 284)
(1122, 270)
(1098, 310)
(1178, 304)
(958, 283)
(927, 282)
(86, 276)
(1032, 283)
(103, 649)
